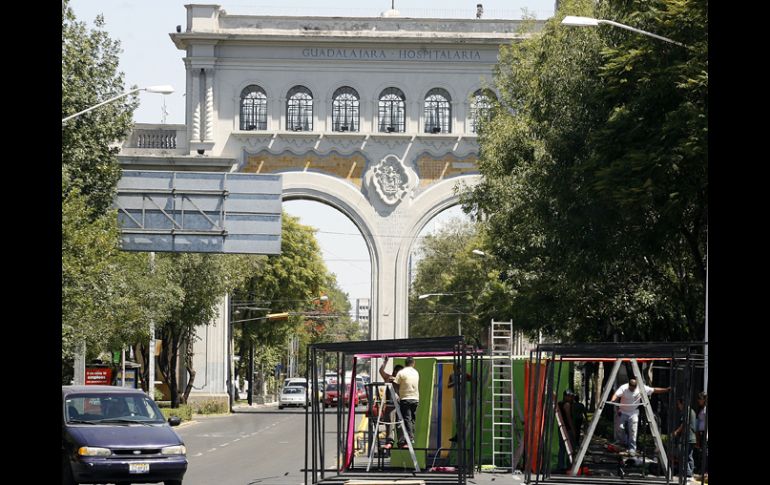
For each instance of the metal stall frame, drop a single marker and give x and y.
(683, 359)
(463, 355)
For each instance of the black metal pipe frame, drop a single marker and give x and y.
(469, 416)
(550, 407)
(311, 386)
(322, 415)
(529, 420)
(682, 359)
(480, 412)
(340, 400)
(460, 354)
(461, 438)
(307, 414)
(536, 385)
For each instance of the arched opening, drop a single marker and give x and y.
(344, 249)
(441, 276)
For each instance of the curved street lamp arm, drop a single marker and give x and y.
(64, 120)
(643, 32)
(164, 89)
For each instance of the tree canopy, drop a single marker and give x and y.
(595, 173)
(108, 297)
(473, 292)
(90, 75)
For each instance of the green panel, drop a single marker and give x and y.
(485, 437)
(400, 457)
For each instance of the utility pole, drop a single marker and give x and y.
(251, 372)
(151, 352)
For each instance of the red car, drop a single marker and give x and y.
(331, 398)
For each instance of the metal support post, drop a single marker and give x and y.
(151, 352)
(649, 414)
(595, 420)
(251, 372)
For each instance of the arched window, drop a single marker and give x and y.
(253, 108)
(299, 109)
(438, 111)
(345, 113)
(481, 108)
(392, 111)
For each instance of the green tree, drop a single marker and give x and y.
(595, 185)
(327, 320)
(108, 296)
(89, 76)
(286, 283)
(474, 292)
(203, 279)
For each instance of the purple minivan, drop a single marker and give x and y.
(118, 435)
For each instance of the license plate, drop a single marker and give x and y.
(138, 468)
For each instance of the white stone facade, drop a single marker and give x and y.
(390, 184)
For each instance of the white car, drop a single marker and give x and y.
(293, 396)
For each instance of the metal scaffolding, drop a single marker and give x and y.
(679, 359)
(464, 356)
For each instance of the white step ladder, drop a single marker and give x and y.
(399, 421)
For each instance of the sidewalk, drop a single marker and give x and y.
(244, 405)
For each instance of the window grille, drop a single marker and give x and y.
(438, 111)
(392, 111)
(253, 108)
(345, 109)
(299, 109)
(481, 108)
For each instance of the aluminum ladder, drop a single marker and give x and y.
(503, 396)
(399, 422)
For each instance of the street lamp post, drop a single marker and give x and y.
(163, 89)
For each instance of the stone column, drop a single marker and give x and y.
(195, 99)
(208, 76)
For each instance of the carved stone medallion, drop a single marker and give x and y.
(391, 180)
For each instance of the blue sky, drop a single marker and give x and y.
(150, 58)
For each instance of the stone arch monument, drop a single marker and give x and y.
(390, 166)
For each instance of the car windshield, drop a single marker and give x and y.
(103, 407)
(294, 390)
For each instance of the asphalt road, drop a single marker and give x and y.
(262, 446)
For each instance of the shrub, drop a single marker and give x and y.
(184, 411)
(211, 407)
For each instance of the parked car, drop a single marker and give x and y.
(331, 398)
(295, 381)
(293, 396)
(118, 435)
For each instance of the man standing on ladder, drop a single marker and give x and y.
(628, 410)
(408, 382)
